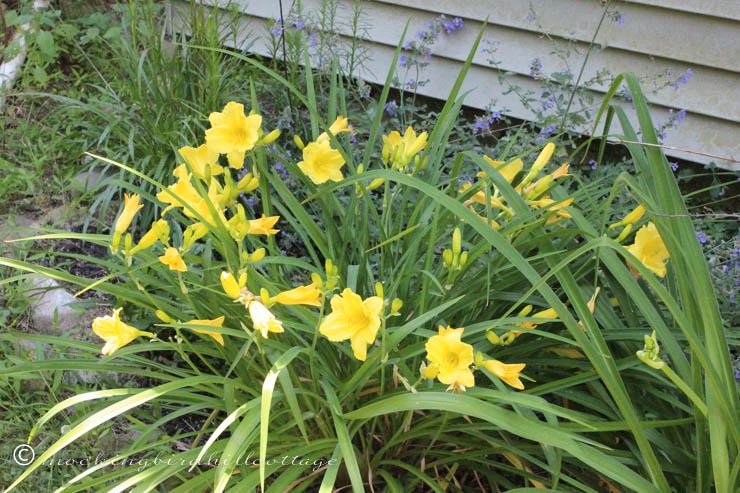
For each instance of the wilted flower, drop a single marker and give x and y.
(218, 322)
(302, 295)
(508, 373)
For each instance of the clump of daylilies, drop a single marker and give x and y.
(207, 197)
(532, 190)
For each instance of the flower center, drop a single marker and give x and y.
(451, 359)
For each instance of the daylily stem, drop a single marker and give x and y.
(686, 389)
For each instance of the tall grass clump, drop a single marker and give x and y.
(422, 333)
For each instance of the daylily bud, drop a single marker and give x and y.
(396, 305)
(159, 231)
(447, 257)
(456, 242)
(625, 232)
(298, 142)
(360, 168)
(375, 183)
(192, 233)
(164, 317)
(379, 289)
(265, 296)
(247, 184)
(257, 255)
(316, 279)
(229, 285)
(271, 137)
(128, 242)
(493, 338)
(630, 218)
(478, 359)
(116, 242)
(463, 258)
(525, 311)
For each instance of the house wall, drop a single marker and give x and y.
(656, 36)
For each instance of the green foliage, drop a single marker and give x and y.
(592, 413)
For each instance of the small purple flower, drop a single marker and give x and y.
(453, 26)
(407, 45)
(481, 125)
(391, 108)
(427, 54)
(353, 138)
(619, 19)
(411, 85)
(535, 67)
(737, 372)
(701, 237)
(592, 162)
(250, 201)
(299, 24)
(402, 60)
(627, 94)
(681, 81)
(277, 28)
(312, 40)
(680, 116)
(530, 17)
(674, 167)
(735, 252)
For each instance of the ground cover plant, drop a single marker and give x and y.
(423, 332)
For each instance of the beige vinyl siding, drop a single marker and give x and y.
(652, 39)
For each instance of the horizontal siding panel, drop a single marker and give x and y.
(694, 39)
(726, 9)
(699, 133)
(518, 48)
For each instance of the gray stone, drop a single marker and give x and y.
(14, 227)
(53, 309)
(92, 178)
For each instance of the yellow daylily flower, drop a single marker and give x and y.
(399, 151)
(233, 133)
(302, 295)
(159, 231)
(263, 225)
(630, 218)
(650, 249)
(116, 333)
(321, 163)
(198, 158)
(509, 171)
(180, 193)
(508, 373)
(130, 207)
(263, 319)
(341, 124)
(218, 322)
(353, 318)
(452, 358)
(172, 259)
